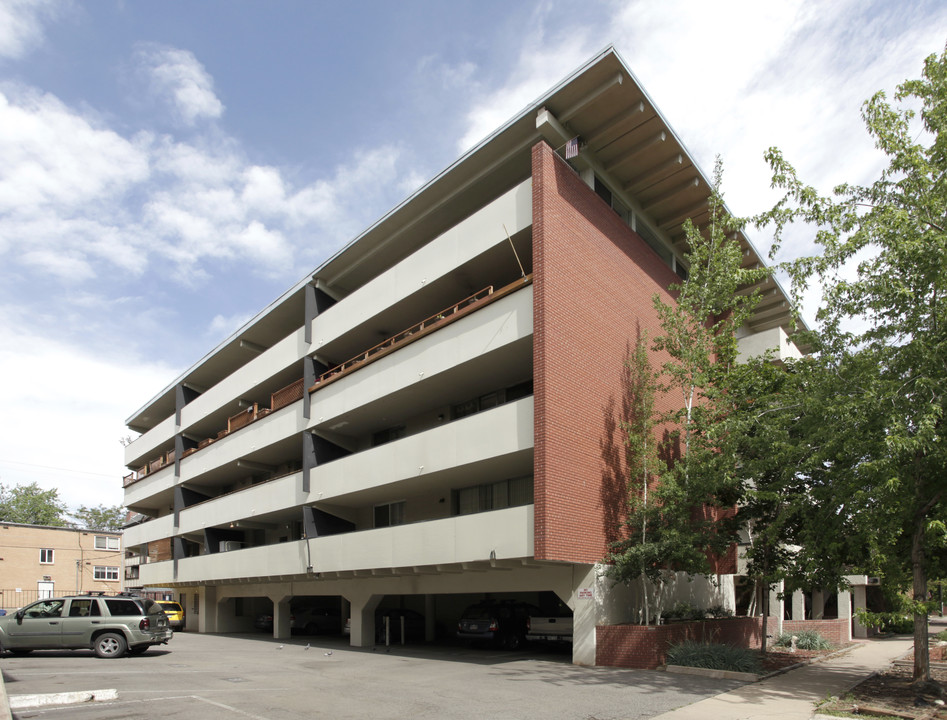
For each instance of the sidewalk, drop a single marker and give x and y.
(793, 695)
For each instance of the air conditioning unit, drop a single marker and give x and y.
(228, 545)
(874, 581)
(47, 578)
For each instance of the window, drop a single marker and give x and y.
(102, 572)
(493, 496)
(83, 608)
(389, 514)
(46, 556)
(388, 435)
(103, 542)
(118, 606)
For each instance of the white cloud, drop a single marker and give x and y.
(223, 326)
(67, 438)
(21, 24)
(54, 159)
(179, 78)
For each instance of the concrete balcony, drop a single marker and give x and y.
(501, 534)
(494, 328)
(434, 461)
(143, 492)
(146, 446)
(287, 353)
(251, 442)
(151, 531)
(465, 241)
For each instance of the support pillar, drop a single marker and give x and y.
(798, 605)
(818, 604)
(777, 607)
(209, 609)
(362, 630)
(861, 603)
(845, 613)
(430, 611)
(282, 617)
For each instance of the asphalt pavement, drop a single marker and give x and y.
(252, 676)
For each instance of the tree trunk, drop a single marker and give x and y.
(764, 604)
(922, 658)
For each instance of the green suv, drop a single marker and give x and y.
(111, 626)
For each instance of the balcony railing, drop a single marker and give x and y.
(418, 330)
(293, 392)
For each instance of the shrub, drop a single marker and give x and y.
(713, 657)
(805, 640)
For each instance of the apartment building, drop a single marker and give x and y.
(42, 561)
(432, 415)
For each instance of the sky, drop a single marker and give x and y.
(168, 169)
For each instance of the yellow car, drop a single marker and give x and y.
(175, 613)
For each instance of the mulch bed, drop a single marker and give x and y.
(780, 658)
(890, 693)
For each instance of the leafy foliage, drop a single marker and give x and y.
(713, 657)
(31, 505)
(805, 640)
(101, 517)
(676, 498)
(873, 474)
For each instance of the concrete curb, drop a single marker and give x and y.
(19, 702)
(5, 713)
(708, 672)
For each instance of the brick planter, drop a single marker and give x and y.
(836, 631)
(646, 646)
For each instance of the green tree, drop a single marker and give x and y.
(31, 505)
(881, 344)
(102, 517)
(680, 493)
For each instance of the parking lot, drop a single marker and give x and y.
(252, 676)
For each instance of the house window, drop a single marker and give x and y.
(388, 435)
(493, 496)
(103, 542)
(103, 572)
(389, 514)
(46, 556)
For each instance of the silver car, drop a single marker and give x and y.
(111, 626)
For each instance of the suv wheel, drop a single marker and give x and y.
(109, 645)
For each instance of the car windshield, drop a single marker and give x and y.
(479, 613)
(170, 606)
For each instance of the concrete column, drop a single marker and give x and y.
(585, 603)
(818, 604)
(861, 603)
(845, 613)
(777, 607)
(282, 627)
(207, 622)
(798, 605)
(363, 619)
(430, 611)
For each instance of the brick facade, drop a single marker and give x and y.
(836, 631)
(594, 279)
(646, 646)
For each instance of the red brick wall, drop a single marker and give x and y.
(835, 631)
(646, 646)
(593, 282)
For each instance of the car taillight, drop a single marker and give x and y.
(494, 627)
(145, 624)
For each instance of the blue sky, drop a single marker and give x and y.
(167, 169)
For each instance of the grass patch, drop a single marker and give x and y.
(805, 640)
(714, 657)
(942, 635)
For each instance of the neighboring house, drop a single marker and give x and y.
(432, 415)
(41, 561)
